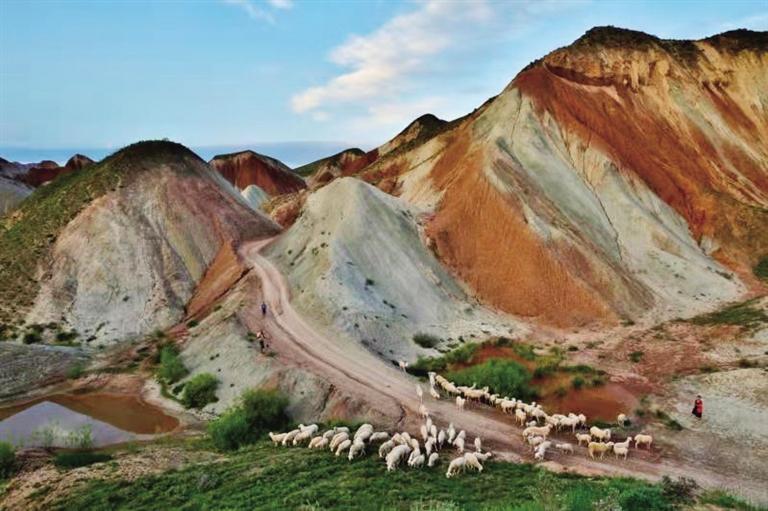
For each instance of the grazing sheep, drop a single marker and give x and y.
(403, 364)
(357, 449)
(564, 448)
(462, 434)
(520, 417)
(620, 451)
(428, 423)
(625, 443)
(406, 437)
(472, 461)
(277, 438)
(429, 446)
(396, 455)
(379, 436)
(451, 433)
(535, 430)
(460, 401)
(582, 419)
(329, 434)
(312, 429)
(534, 441)
(507, 405)
(455, 466)
(343, 446)
(290, 436)
(316, 440)
(541, 451)
(432, 376)
(337, 439)
(414, 443)
(423, 411)
(435, 394)
(573, 422)
(478, 444)
(583, 437)
(420, 392)
(459, 444)
(531, 424)
(432, 459)
(441, 439)
(416, 462)
(424, 432)
(303, 436)
(364, 432)
(643, 439)
(600, 434)
(433, 431)
(599, 448)
(414, 454)
(385, 448)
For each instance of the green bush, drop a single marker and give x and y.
(192, 323)
(426, 340)
(258, 412)
(426, 364)
(75, 459)
(7, 460)
(636, 356)
(577, 382)
(505, 377)
(741, 314)
(761, 268)
(647, 498)
(171, 367)
(32, 337)
(723, 500)
(76, 371)
(200, 390)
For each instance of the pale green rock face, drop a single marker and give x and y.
(11, 194)
(255, 197)
(356, 261)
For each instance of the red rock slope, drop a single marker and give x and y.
(249, 168)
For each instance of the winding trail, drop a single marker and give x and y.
(391, 393)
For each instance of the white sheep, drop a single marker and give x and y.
(620, 451)
(318, 442)
(541, 451)
(573, 422)
(420, 392)
(583, 437)
(403, 364)
(429, 446)
(433, 430)
(598, 448)
(621, 419)
(432, 378)
(643, 439)
(357, 449)
(520, 417)
(432, 459)
(535, 430)
(451, 433)
(277, 438)
(460, 402)
(472, 461)
(290, 436)
(364, 432)
(312, 429)
(337, 439)
(329, 434)
(417, 461)
(379, 436)
(625, 443)
(435, 394)
(534, 441)
(343, 446)
(423, 411)
(600, 434)
(414, 453)
(428, 423)
(455, 466)
(478, 444)
(459, 444)
(396, 455)
(386, 447)
(531, 424)
(441, 439)
(564, 448)
(303, 436)
(424, 432)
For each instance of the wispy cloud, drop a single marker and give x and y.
(258, 12)
(379, 62)
(754, 22)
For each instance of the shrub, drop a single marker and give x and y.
(746, 363)
(505, 377)
(577, 382)
(461, 354)
(32, 337)
(200, 390)
(648, 498)
(75, 459)
(726, 501)
(66, 337)
(681, 490)
(761, 268)
(426, 340)
(561, 391)
(636, 356)
(81, 438)
(545, 369)
(741, 314)
(192, 323)
(258, 412)
(76, 371)
(7, 460)
(525, 351)
(171, 367)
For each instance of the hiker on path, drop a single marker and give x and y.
(263, 309)
(698, 407)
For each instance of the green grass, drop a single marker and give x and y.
(27, 236)
(722, 499)
(761, 268)
(743, 314)
(461, 354)
(504, 377)
(75, 459)
(264, 477)
(426, 340)
(257, 413)
(200, 390)
(171, 369)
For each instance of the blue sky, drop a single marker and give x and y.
(296, 79)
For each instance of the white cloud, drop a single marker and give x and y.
(257, 12)
(381, 62)
(281, 4)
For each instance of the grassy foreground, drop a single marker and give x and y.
(265, 477)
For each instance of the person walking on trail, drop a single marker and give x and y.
(263, 309)
(698, 407)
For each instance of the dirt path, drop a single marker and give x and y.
(350, 367)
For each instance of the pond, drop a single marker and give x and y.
(58, 419)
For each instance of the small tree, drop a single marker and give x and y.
(7, 460)
(171, 367)
(258, 412)
(200, 390)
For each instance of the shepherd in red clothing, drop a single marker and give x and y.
(698, 407)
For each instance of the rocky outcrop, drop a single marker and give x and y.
(12, 192)
(356, 261)
(249, 168)
(78, 161)
(623, 176)
(129, 261)
(345, 163)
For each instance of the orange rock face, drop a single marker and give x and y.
(250, 168)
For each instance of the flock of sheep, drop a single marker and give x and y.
(402, 447)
